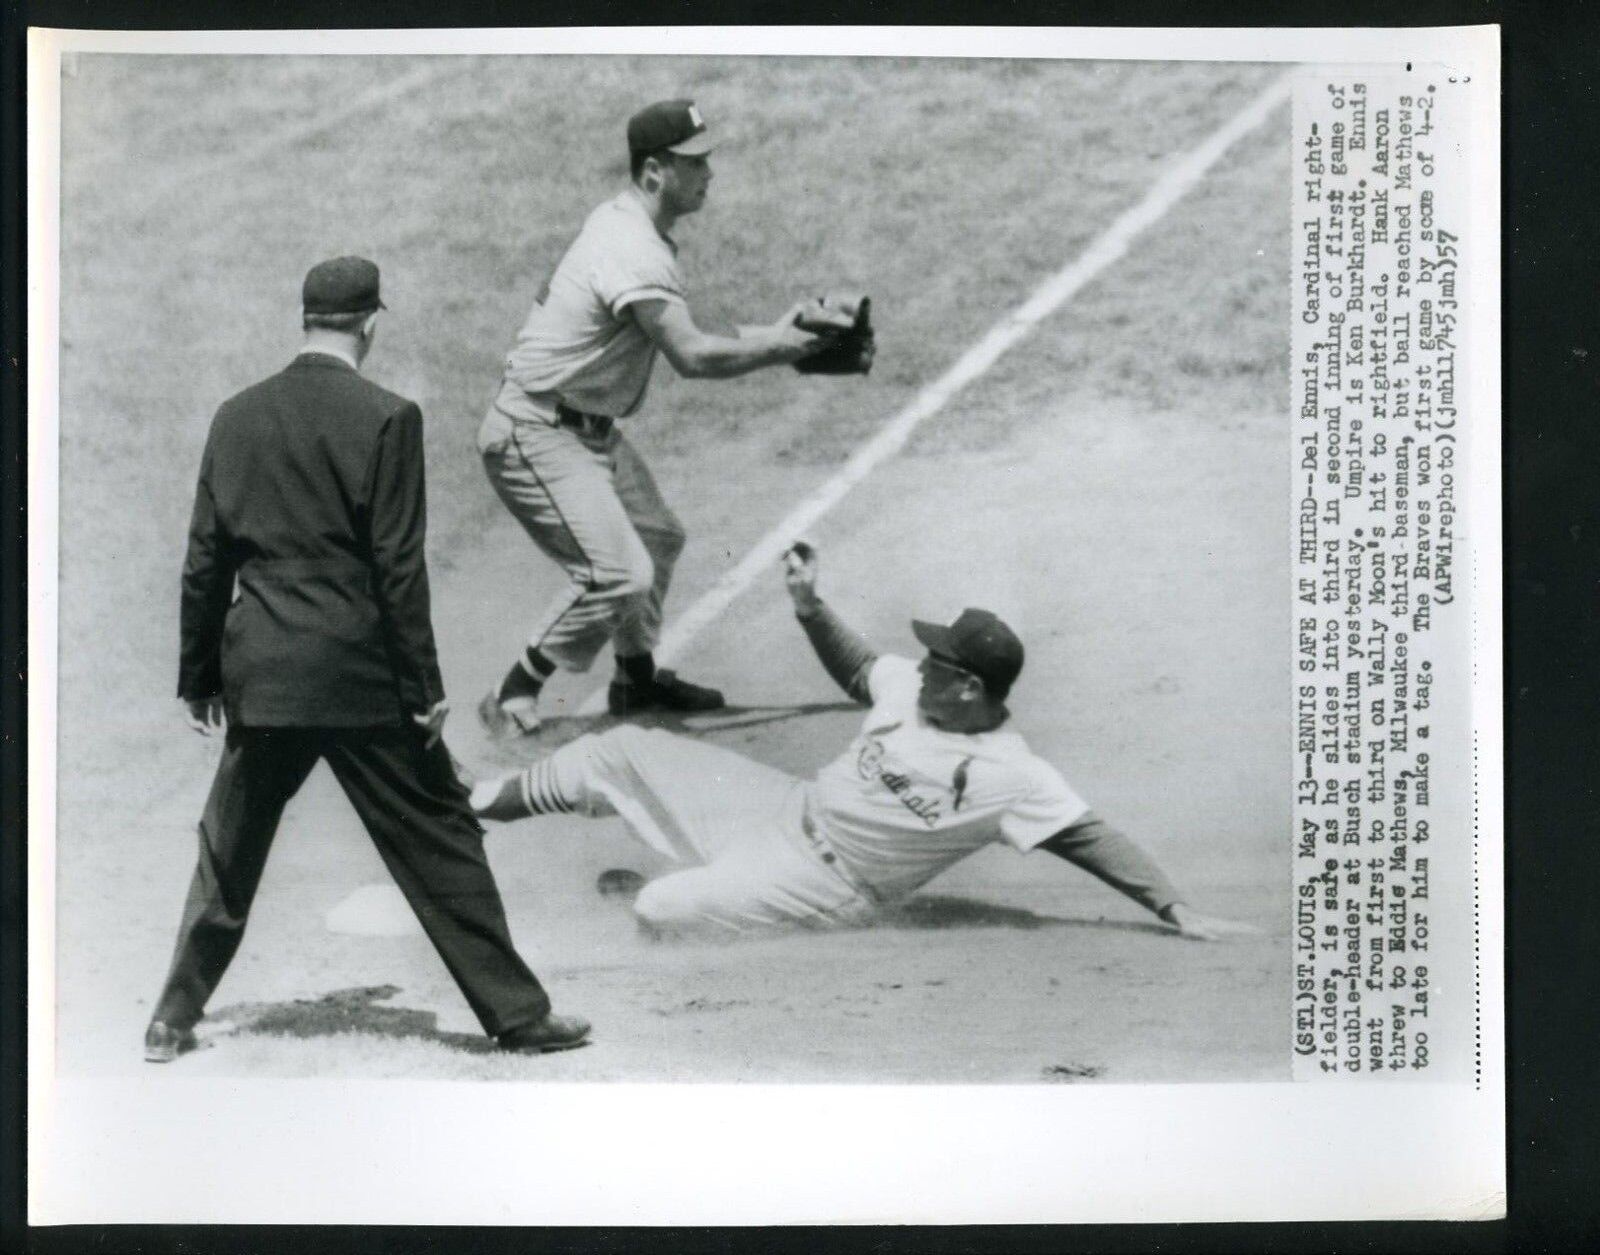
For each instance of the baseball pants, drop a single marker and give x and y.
(591, 504)
(415, 810)
(735, 824)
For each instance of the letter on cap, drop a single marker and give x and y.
(671, 125)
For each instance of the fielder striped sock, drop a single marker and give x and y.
(527, 675)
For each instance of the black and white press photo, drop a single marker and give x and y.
(766, 573)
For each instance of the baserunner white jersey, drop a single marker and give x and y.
(907, 800)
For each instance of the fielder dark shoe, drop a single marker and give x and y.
(516, 716)
(665, 692)
(619, 882)
(163, 1043)
(554, 1032)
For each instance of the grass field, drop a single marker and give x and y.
(1113, 486)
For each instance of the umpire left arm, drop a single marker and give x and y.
(397, 528)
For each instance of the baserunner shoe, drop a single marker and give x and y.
(619, 882)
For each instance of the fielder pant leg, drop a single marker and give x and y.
(561, 490)
(663, 537)
(260, 770)
(416, 811)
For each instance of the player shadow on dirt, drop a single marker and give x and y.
(937, 911)
(342, 1011)
(556, 730)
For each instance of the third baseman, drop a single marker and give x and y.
(551, 443)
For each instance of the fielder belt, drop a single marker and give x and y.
(594, 426)
(817, 839)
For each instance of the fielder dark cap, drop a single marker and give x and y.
(977, 642)
(673, 125)
(343, 285)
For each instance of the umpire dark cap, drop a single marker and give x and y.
(977, 642)
(343, 285)
(673, 125)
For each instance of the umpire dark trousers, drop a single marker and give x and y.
(415, 810)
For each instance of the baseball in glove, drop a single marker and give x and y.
(846, 318)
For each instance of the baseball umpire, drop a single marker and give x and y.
(551, 444)
(933, 775)
(311, 496)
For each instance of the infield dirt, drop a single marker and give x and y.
(1114, 487)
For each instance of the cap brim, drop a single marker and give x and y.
(695, 146)
(936, 638)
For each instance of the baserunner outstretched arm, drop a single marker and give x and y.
(843, 652)
(1114, 857)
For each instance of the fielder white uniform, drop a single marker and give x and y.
(902, 803)
(557, 459)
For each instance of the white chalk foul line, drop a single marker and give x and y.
(1061, 287)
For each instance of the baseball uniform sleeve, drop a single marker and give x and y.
(637, 269)
(208, 571)
(843, 652)
(893, 683)
(398, 527)
(1048, 806)
(1115, 858)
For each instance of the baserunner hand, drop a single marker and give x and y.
(800, 576)
(1197, 927)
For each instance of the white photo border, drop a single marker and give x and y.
(706, 1154)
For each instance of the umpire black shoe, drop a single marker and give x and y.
(163, 1043)
(554, 1032)
(665, 692)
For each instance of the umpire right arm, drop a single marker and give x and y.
(208, 573)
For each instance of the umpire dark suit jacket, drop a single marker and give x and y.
(311, 493)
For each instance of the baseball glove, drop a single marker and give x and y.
(846, 318)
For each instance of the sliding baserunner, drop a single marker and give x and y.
(934, 775)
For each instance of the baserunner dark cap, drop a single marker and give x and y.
(673, 125)
(342, 285)
(977, 642)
